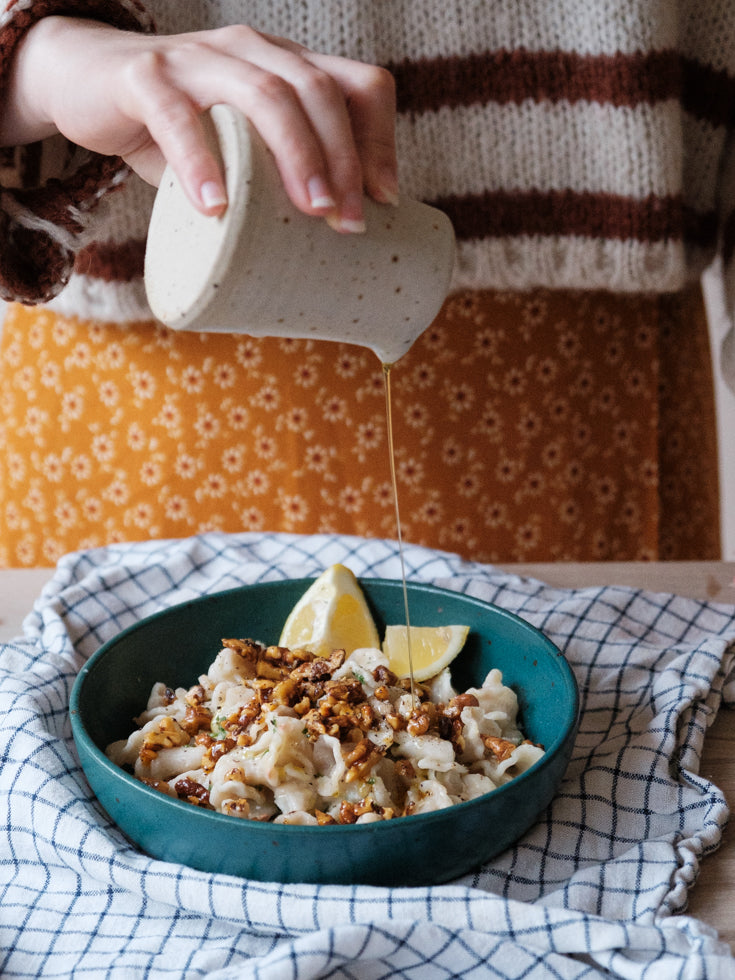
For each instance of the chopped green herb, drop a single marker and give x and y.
(217, 727)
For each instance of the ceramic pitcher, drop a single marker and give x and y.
(266, 269)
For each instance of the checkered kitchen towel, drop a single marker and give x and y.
(589, 891)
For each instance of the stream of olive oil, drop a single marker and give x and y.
(394, 482)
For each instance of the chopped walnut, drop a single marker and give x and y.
(248, 649)
(263, 685)
(239, 722)
(216, 748)
(196, 718)
(404, 770)
(452, 730)
(383, 675)
(264, 668)
(195, 695)
(350, 691)
(167, 734)
(320, 668)
(302, 706)
(501, 748)
(455, 706)
(360, 760)
(285, 692)
(193, 792)
(237, 808)
(324, 819)
(449, 721)
(418, 724)
(314, 724)
(346, 813)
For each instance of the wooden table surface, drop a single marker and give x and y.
(711, 899)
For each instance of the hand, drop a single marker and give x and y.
(328, 121)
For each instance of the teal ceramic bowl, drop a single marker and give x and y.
(177, 645)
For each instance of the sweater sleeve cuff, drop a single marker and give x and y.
(45, 221)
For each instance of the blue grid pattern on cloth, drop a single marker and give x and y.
(589, 891)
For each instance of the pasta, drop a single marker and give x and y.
(281, 735)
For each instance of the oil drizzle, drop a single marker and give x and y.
(394, 482)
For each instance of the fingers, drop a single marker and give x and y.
(325, 159)
(370, 100)
(328, 121)
(174, 133)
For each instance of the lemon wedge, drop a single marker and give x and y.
(432, 649)
(332, 614)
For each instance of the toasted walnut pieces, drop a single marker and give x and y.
(385, 676)
(324, 819)
(405, 771)
(214, 750)
(192, 791)
(360, 760)
(266, 719)
(197, 716)
(167, 734)
(501, 748)
(237, 808)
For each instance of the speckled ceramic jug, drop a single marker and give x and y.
(266, 269)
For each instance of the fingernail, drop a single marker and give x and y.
(388, 190)
(319, 195)
(212, 195)
(350, 225)
(350, 216)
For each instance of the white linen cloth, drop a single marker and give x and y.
(589, 891)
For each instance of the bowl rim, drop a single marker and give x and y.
(80, 733)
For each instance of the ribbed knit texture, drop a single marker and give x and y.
(574, 145)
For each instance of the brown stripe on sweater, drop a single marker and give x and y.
(708, 93)
(700, 228)
(511, 77)
(503, 214)
(112, 262)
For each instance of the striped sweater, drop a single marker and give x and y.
(576, 144)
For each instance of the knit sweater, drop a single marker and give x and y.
(580, 144)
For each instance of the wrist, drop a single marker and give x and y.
(36, 44)
(25, 116)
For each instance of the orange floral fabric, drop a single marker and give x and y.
(535, 427)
